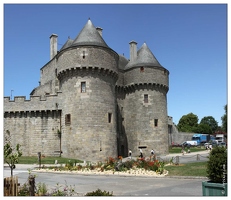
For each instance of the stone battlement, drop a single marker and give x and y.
(20, 103)
(87, 69)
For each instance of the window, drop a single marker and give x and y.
(146, 98)
(83, 87)
(83, 54)
(141, 69)
(109, 117)
(67, 119)
(155, 122)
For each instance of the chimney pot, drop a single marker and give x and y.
(53, 45)
(100, 30)
(133, 50)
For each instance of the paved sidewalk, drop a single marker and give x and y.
(22, 166)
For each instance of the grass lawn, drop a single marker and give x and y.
(51, 160)
(187, 169)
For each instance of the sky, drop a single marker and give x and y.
(189, 40)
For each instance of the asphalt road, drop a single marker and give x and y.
(120, 185)
(200, 156)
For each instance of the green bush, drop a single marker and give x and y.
(69, 164)
(24, 190)
(99, 192)
(60, 190)
(41, 189)
(217, 165)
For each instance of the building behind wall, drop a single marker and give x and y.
(92, 103)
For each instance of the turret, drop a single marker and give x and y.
(145, 104)
(88, 71)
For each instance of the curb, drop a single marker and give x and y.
(123, 175)
(188, 177)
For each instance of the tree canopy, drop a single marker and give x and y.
(211, 122)
(188, 123)
(224, 120)
(203, 128)
(208, 125)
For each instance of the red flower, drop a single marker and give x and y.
(120, 157)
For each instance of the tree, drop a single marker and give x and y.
(224, 120)
(188, 123)
(11, 155)
(211, 122)
(217, 165)
(203, 128)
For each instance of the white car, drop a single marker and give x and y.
(222, 144)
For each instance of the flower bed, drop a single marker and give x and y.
(111, 166)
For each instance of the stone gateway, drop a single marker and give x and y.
(92, 103)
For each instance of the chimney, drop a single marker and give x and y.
(100, 31)
(53, 45)
(133, 50)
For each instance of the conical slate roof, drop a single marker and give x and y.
(67, 44)
(144, 58)
(122, 62)
(89, 36)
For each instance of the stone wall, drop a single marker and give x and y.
(35, 131)
(180, 137)
(48, 72)
(148, 75)
(139, 121)
(88, 57)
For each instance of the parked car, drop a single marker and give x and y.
(189, 143)
(185, 144)
(222, 144)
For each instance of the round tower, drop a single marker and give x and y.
(87, 70)
(145, 106)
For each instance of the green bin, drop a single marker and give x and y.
(214, 189)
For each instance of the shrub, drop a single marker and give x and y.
(99, 192)
(92, 167)
(160, 167)
(62, 190)
(41, 189)
(24, 190)
(153, 165)
(69, 165)
(217, 165)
